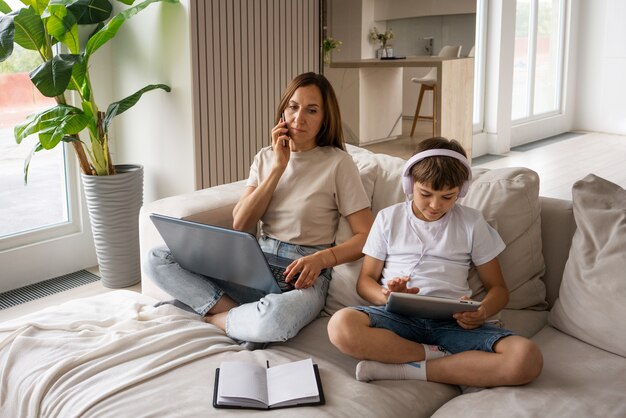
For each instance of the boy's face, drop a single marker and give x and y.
(430, 205)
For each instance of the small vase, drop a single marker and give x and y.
(326, 57)
(384, 52)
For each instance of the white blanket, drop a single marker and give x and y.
(63, 361)
(116, 356)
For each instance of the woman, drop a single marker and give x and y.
(298, 188)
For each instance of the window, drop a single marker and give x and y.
(479, 66)
(538, 59)
(44, 232)
(43, 202)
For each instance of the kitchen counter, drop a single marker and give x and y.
(370, 96)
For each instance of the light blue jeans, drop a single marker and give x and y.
(258, 318)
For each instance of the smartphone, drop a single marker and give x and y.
(282, 118)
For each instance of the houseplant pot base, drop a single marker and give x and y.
(114, 203)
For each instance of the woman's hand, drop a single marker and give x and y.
(399, 284)
(281, 144)
(309, 268)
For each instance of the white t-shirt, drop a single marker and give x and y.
(435, 255)
(316, 188)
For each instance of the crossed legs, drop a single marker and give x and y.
(515, 360)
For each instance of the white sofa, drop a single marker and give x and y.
(581, 333)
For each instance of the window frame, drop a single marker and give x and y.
(52, 250)
(532, 54)
(480, 58)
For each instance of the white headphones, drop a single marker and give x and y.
(407, 179)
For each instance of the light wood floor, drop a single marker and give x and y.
(559, 161)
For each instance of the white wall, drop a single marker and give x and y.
(154, 47)
(348, 31)
(161, 124)
(601, 92)
(396, 9)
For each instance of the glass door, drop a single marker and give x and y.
(538, 65)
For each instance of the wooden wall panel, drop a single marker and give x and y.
(244, 54)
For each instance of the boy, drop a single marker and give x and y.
(426, 245)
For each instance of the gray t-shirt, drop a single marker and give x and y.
(316, 188)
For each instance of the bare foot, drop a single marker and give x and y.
(219, 319)
(218, 313)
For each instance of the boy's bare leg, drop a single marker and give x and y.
(516, 360)
(350, 331)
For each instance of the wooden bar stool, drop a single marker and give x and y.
(429, 83)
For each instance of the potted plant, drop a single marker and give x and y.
(382, 39)
(51, 27)
(328, 45)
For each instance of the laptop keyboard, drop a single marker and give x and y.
(278, 273)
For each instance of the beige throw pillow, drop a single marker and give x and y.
(380, 175)
(591, 299)
(509, 201)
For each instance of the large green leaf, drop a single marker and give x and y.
(7, 32)
(79, 80)
(29, 30)
(37, 148)
(52, 125)
(67, 125)
(38, 122)
(110, 29)
(61, 24)
(4, 8)
(90, 11)
(38, 5)
(52, 77)
(123, 105)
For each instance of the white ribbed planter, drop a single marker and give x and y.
(113, 203)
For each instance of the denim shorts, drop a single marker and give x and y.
(445, 333)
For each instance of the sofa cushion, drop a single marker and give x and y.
(380, 175)
(577, 380)
(509, 201)
(347, 397)
(368, 171)
(388, 184)
(591, 298)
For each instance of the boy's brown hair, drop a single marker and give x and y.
(440, 172)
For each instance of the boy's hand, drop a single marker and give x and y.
(399, 284)
(471, 319)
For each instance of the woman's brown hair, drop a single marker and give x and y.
(331, 132)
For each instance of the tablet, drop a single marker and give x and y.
(428, 307)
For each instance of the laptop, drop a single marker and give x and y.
(231, 257)
(428, 307)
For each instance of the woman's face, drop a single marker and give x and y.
(304, 116)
